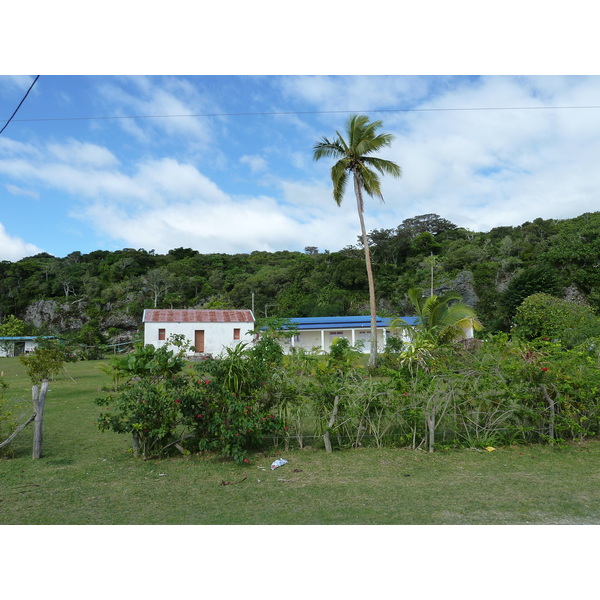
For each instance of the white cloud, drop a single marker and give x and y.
(187, 209)
(14, 148)
(17, 191)
(16, 83)
(143, 96)
(354, 93)
(13, 248)
(257, 164)
(83, 154)
(77, 181)
(227, 226)
(482, 169)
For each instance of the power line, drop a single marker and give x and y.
(304, 112)
(18, 107)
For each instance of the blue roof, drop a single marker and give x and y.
(409, 320)
(342, 322)
(21, 338)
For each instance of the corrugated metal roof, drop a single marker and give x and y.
(301, 323)
(163, 315)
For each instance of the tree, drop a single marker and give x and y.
(441, 320)
(45, 361)
(158, 282)
(353, 160)
(430, 223)
(533, 280)
(10, 327)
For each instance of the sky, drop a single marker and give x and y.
(110, 162)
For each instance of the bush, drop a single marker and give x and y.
(220, 405)
(507, 391)
(547, 317)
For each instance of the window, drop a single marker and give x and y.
(236, 334)
(162, 334)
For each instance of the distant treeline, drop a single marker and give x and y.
(494, 271)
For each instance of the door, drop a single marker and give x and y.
(199, 340)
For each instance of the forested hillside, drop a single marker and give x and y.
(100, 296)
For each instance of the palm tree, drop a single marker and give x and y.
(352, 155)
(441, 319)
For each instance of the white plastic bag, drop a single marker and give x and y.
(278, 463)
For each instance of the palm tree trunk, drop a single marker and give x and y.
(372, 303)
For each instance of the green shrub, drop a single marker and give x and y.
(544, 316)
(222, 405)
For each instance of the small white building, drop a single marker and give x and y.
(208, 331)
(18, 344)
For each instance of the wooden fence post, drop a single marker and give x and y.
(326, 436)
(39, 400)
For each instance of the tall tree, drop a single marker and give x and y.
(354, 161)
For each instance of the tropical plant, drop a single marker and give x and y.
(352, 154)
(441, 319)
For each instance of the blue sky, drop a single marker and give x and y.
(242, 178)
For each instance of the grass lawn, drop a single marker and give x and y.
(87, 477)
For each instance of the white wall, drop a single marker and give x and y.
(7, 348)
(216, 335)
(309, 339)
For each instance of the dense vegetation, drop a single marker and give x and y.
(429, 395)
(99, 297)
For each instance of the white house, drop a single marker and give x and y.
(319, 332)
(18, 344)
(208, 331)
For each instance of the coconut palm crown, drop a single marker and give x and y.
(352, 154)
(353, 157)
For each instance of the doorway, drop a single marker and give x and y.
(199, 340)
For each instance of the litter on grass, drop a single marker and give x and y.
(278, 463)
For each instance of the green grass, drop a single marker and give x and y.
(89, 477)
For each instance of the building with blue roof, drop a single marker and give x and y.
(319, 332)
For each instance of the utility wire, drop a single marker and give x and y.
(307, 112)
(18, 107)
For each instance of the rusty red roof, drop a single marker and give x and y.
(163, 315)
